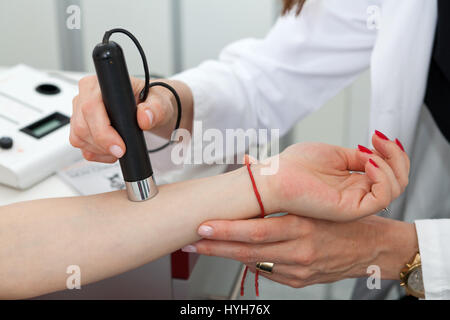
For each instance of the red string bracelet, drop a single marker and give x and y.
(263, 213)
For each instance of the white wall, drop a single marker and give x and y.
(203, 28)
(359, 111)
(29, 33)
(344, 120)
(149, 20)
(207, 26)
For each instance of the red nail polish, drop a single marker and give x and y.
(381, 135)
(399, 144)
(374, 163)
(364, 149)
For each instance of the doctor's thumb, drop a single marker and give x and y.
(146, 116)
(153, 113)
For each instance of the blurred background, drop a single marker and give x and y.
(176, 35)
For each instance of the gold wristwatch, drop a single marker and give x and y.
(411, 278)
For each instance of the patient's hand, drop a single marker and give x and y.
(334, 183)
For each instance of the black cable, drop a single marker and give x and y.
(177, 124)
(144, 93)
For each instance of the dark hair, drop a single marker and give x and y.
(288, 5)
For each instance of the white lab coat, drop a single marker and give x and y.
(306, 60)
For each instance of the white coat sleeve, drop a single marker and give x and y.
(274, 82)
(434, 240)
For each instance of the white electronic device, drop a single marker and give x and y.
(35, 110)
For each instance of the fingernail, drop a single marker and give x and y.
(189, 248)
(205, 231)
(381, 135)
(116, 151)
(150, 116)
(399, 144)
(374, 163)
(364, 149)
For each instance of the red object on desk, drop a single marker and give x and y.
(182, 264)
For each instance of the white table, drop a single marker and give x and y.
(52, 187)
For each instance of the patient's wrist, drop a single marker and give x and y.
(238, 197)
(265, 185)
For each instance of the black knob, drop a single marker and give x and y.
(6, 143)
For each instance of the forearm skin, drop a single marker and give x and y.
(106, 234)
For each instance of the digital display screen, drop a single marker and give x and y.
(46, 125)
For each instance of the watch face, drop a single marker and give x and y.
(415, 281)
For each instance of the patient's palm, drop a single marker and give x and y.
(316, 181)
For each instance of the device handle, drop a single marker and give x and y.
(120, 103)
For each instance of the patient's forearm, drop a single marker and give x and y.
(107, 234)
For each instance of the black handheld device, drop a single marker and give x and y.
(120, 103)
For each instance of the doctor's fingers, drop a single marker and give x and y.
(287, 252)
(266, 230)
(395, 155)
(80, 136)
(156, 111)
(90, 156)
(292, 276)
(91, 153)
(102, 134)
(79, 130)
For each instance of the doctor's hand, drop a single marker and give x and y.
(313, 180)
(307, 251)
(335, 183)
(91, 130)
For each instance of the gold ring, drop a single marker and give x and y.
(265, 267)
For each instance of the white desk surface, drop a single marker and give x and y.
(51, 187)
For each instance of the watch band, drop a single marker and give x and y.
(413, 286)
